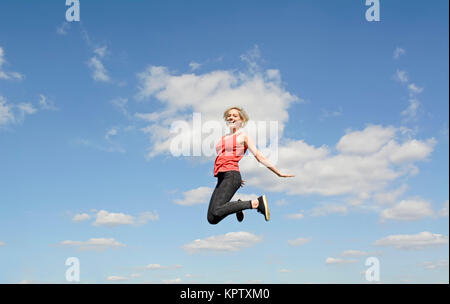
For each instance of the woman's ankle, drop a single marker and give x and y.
(255, 204)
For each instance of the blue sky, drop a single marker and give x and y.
(85, 113)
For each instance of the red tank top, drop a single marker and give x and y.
(229, 153)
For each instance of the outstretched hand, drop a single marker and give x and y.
(286, 175)
(242, 183)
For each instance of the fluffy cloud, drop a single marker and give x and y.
(229, 242)
(209, 94)
(418, 241)
(105, 218)
(110, 219)
(408, 210)
(96, 244)
(359, 169)
(363, 163)
(200, 195)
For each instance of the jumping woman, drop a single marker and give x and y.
(230, 150)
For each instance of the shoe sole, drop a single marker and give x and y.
(240, 219)
(266, 207)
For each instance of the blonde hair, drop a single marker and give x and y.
(242, 114)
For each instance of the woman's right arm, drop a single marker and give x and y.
(249, 144)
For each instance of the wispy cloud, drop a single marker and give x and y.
(14, 113)
(229, 242)
(5, 74)
(63, 28)
(299, 241)
(339, 261)
(398, 52)
(95, 244)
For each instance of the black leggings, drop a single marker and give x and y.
(228, 183)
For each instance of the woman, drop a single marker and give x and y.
(230, 150)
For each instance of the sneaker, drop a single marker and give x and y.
(264, 207)
(240, 215)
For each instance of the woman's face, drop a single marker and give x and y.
(234, 119)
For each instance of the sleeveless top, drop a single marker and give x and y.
(229, 153)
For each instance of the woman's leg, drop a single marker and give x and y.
(220, 205)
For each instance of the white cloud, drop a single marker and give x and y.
(363, 166)
(7, 75)
(414, 89)
(105, 218)
(147, 216)
(299, 241)
(200, 195)
(194, 65)
(408, 210)
(399, 52)
(435, 265)
(364, 162)
(366, 142)
(229, 242)
(418, 241)
(46, 104)
(172, 281)
(2, 243)
(327, 114)
(96, 244)
(389, 197)
(327, 209)
(122, 105)
(101, 51)
(401, 76)
(354, 253)
(6, 114)
(14, 113)
(116, 278)
(111, 132)
(99, 72)
(444, 210)
(81, 217)
(285, 270)
(209, 94)
(160, 267)
(410, 113)
(62, 29)
(331, 260)
(295, 216)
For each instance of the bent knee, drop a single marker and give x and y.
(212, 219)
